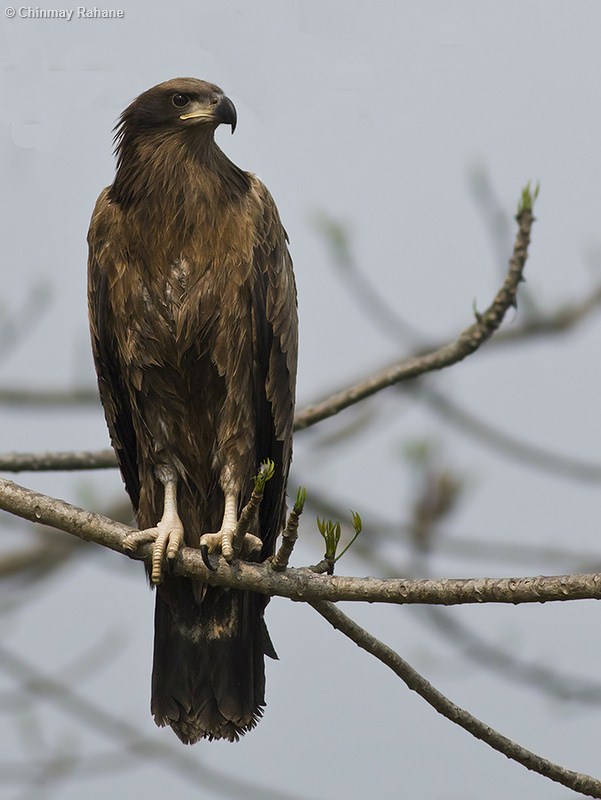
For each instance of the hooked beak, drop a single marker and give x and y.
(223, 112)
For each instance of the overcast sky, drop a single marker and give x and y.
(379, 115)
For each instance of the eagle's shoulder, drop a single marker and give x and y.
(268, 216)
(111, 256)
(105, 211)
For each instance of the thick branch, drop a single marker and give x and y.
(585, 784)
(302, 584)
(447, 355)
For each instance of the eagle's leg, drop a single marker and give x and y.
(223, 540)
(228, 525)
(168, 536)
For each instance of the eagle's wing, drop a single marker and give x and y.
(275, 347)
(275, 329)
(111, 384)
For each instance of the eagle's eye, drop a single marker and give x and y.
(180, 100)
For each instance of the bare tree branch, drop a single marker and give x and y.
(507, 665)
(46, 462)
(467, 342)
(443, 356)
(538, 457)
(301, 584)
(305, 585)
(578, 782)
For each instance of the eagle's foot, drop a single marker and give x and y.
(133, 540)
(223, 542)
(168, 537)
(233, 540)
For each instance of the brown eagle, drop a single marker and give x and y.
(193, 320)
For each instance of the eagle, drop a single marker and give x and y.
(193, 320)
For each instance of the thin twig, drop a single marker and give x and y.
(578, 782)
(251, 509)
(290, 534)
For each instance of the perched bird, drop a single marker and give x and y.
(193, 320)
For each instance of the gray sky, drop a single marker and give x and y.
(376, 114)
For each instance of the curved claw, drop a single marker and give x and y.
(204, 552)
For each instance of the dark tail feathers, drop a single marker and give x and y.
(208, 675)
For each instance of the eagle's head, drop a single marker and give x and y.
(180, 103)
(167, 135)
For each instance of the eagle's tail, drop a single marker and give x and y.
(208, 675)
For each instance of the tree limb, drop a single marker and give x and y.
(578, 782)
(63, 461)
(445, 356)
(301, 584)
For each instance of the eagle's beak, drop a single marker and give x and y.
(225, 112)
